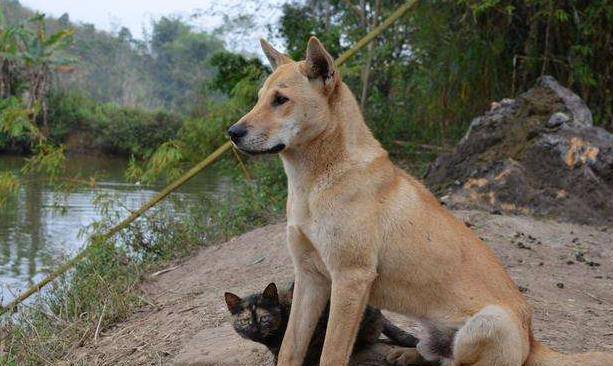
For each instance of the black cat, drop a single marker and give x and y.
(263, 317)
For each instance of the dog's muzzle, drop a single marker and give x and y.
(236, 132)
(273, 150)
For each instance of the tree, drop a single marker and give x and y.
(180, 62)
(64, 20)
(42, 55)
(125, 35)
(10, 38)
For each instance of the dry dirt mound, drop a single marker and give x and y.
(565, 270)
(538, 154)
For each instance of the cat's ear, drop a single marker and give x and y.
(290, 291)
(233, 302)
(270, 292)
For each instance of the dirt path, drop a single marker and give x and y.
(565, 270)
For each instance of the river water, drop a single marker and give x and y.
(41, 227)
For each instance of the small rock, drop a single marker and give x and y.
(559, 285)
(521, 245)
(523, 289)
(557, 119)
(570, 262)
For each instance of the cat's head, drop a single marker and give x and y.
(258, 316)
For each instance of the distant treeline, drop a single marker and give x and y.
(166, 70)
(63, 83)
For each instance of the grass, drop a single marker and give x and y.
(103, 289)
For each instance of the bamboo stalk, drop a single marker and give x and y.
(242, 164)
(376, 32)
(187, 176)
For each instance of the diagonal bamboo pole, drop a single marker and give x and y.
(187, 176)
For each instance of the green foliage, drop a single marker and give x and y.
(45, 51)
(47, 159)
(301, 21)
(201, 134)
(255, 203)
(180, 59)
(445, 62)
(132, 131)
(109, 128)
(233, 69)
(15, 123)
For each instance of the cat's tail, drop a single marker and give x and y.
(398, 336)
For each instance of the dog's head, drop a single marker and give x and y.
(293, 103)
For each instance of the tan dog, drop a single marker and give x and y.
(360, 231)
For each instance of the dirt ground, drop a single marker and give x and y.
(565, 271)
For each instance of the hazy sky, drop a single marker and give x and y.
(109, 15)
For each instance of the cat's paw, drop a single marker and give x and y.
(402, 356)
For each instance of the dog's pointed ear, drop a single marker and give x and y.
(270, 292)
(275, 57)
(233, 302)
(320, 65)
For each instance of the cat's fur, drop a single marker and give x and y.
(262, 317)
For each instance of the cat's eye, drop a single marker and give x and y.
(279, 100)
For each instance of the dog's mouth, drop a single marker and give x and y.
(273, 150)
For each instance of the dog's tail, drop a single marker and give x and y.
(543, 356)
(398, 336)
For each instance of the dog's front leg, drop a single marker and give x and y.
(350, 292)
(311, 293)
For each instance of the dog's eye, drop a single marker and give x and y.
(279, 100)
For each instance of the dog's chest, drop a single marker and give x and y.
(301, 215)
(298, 212)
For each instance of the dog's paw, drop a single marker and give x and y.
(403, 357)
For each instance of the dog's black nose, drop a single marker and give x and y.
(236, 132)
